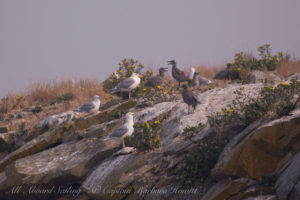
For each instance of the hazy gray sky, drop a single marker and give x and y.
(46, 39)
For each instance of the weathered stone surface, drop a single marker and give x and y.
(260, 76)
(102, 117)
(3, 129)
(118, 177)
(260, 152)
(9, 137)
(294, 76)
(62, 165)
(227, 188)
(34, 146)
(295, 194)
(289, 177)
(263, 197)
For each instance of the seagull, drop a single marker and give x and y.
(189, 98)
(126, 129)
(90, 107)
(192, 72)
(177, 74)
(224, 74)
(199, 80)
(128, 84)
(157, 80)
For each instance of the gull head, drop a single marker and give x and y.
(172, 62)
(96, 97)
(135, 75)
(129, 116)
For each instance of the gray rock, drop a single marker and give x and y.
(59, 166)
(260, 76)
(289, 178)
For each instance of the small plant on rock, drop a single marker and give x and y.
(198, 163)
(146, 137)
(192, 131)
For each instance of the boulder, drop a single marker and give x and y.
(36, 145)
(119, 176)
(260, 76)
(289, 179)
(63, 165)
(261, 152)
(294, 76)
(227, 188)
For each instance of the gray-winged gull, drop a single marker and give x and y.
(199, 80)
(90, 107)
(56, 120)
(126, 129)
(157, 80)
(189, 98)
(177, 74)
(128, 84)
(227, 74)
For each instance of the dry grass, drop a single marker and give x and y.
(48, 95)
(288, 68)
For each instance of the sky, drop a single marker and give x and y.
(43, 40)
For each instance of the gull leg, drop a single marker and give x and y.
(123, 143)
(129, 95)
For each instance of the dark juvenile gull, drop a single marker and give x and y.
(177, 74)
(157, 80)
(90, 107)
(199, 80)
(126, 129)
(189, 98)
(227, 74)
(224, 74)
(128, 84)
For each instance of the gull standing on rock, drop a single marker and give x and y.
(157, 80)
(177, 74)
(128, 84)
(192, 72)
(189, 98)
(126, 129)
(90, 107)
(199, 80)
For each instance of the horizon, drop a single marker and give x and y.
(41, 41)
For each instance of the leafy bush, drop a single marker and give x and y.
(119, 113)
(126, 68)
(147, 136)
(66, 97)
(272, 102)
(192, 131)
(37, 109)
(244, 63)
(198, 163)
(267, 180)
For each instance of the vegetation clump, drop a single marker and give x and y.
(146, 137)
(272, 102)
(244, 63)
(198, 163)
(192, 131)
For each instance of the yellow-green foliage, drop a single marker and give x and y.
(126, 68)
(147, 136)
(265, 61)
(272, 102)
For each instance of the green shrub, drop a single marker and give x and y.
(267, 180)
(244, 63)
(272, 102)
(66, 97)
(117, 114)
(37, 109)
(192, 131)
(198, 163)
(146, 137)
(126, 68)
